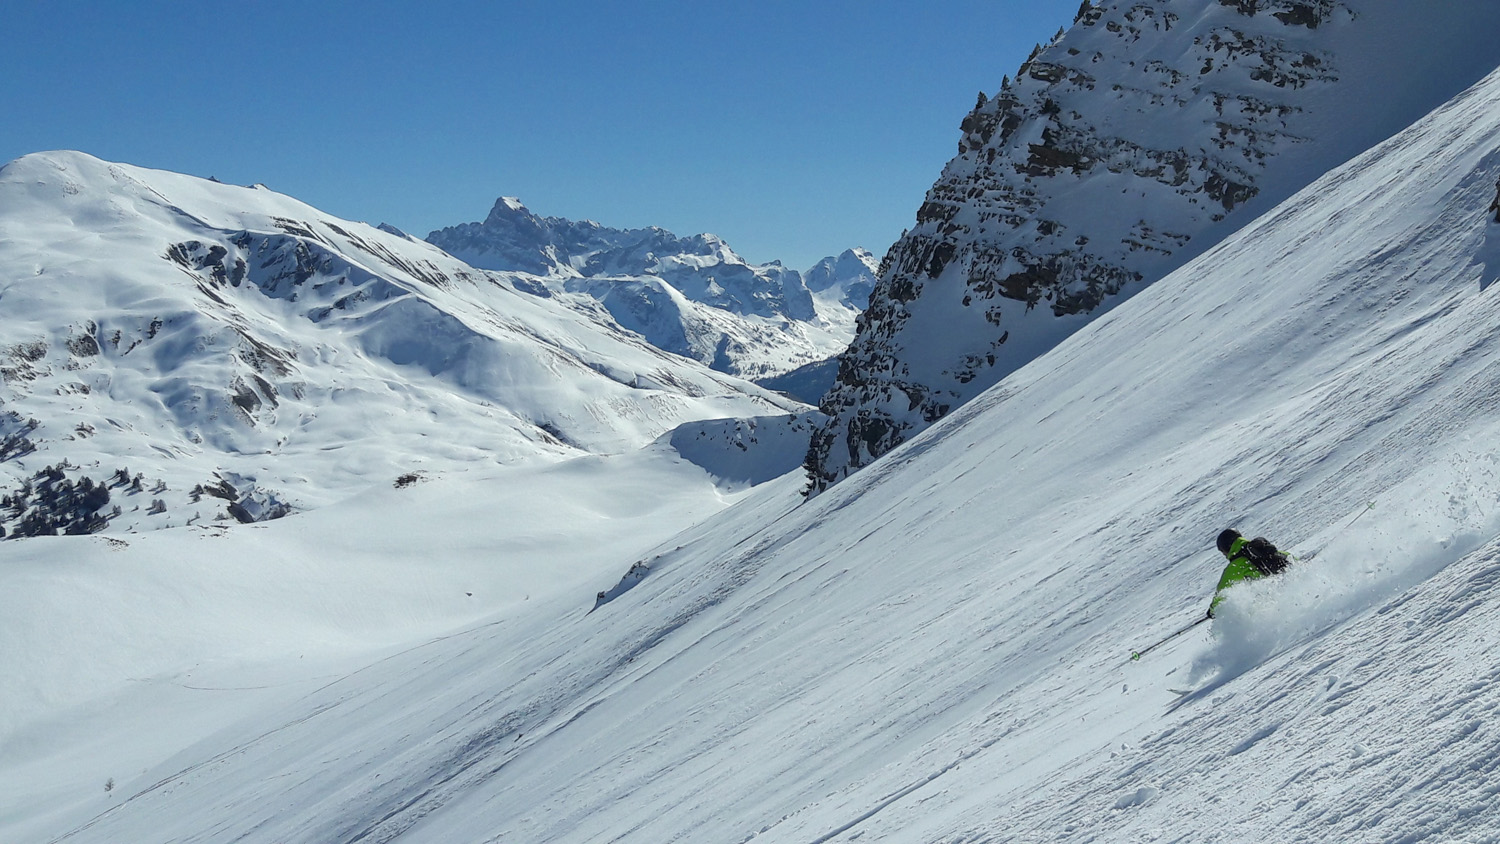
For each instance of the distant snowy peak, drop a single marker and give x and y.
(849, 277)
(1134, 141)
(702, 266)
(510, 238)
(692, 296)
(850, 265)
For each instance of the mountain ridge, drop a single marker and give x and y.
(184, 332)
(692, 296)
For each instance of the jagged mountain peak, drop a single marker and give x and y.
(509, 213)
(848, 265)
(693, 295)
(511, 203)
(841, 285)
(514, 238)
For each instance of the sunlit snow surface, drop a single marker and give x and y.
(938, 648)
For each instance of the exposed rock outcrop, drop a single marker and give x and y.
(1131, 143)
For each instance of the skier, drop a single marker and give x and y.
(1249, 559)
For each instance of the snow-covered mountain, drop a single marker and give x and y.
(936, 649)
(843, 282)
(840, 288)
(1147, 132)
(197, 350)
(692, 296)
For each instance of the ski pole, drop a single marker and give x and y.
(1149, 648)
(1361, 515)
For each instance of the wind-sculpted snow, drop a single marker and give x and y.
(691, 296)
(166, 332)
(1133, 142)
(936, 649)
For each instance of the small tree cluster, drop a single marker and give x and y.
(50, 504)
(123, 478)
(17, 442)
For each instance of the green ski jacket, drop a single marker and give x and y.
(1239, 569)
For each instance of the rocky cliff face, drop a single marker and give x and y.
(1135, 140)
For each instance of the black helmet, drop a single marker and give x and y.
(1226, 540)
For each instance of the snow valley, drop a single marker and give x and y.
(606, 611)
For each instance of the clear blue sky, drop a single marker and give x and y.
(792, 129)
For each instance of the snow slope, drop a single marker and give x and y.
(937, 648)
(132, 646)
(201, 334)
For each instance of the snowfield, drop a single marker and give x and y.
(934, 650)
(135, 646)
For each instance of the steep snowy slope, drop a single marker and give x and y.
(691, 296)
(1146, 133)
(201, 350)
(936, 649)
